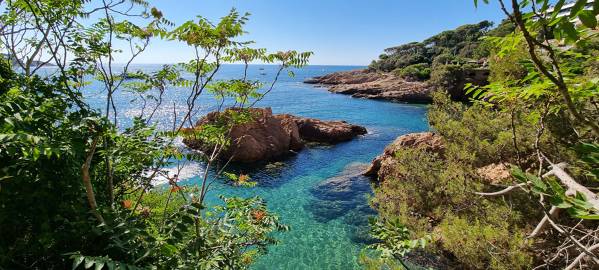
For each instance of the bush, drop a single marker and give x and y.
(433, 194)
(509, 66)
(419, 72)
(445, 59)
(449, 78)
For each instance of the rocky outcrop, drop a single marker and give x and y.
(382, 164)
(268, 136)
(314, 130)
(375, 85)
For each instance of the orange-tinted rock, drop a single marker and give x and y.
(427, 140)
(314, 130)
(268, 136)
(495, 173)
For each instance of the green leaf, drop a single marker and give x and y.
(99, 265)
(578, 6)
(555, 186)
(588, 19)
(476, 2)
(77, 261)
(537, 182)
(557, 8)
(569, 30)
(589, 217)
(519, 175)
(89, 262)
(560, 203)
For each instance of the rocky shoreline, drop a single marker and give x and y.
(268, 136)
(375, 85)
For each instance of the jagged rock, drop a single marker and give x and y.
(429, 141)
(269, 136)
(314, 130)
(375, 85)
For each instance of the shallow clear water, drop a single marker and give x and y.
(328, 228)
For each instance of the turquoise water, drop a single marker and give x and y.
(328, 228)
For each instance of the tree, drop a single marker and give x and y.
(75, 184)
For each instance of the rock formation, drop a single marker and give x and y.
(314, 130)
(268, 136)
(382, 164)
(375, 85)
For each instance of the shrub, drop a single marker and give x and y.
(420, 72)
(433, 194)
(509, 66)
(449, 78)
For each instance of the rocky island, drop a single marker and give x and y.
(268, 136)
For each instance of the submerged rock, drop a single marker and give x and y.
(337, 196)
(381, 164)
(269, 136)
(375, 85)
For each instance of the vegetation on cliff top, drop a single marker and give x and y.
(448, 60)
(450, 46)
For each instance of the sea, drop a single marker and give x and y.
(328, 220)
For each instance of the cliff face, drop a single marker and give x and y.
(268, 136)
(375, 85)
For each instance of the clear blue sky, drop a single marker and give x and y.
(339, 32)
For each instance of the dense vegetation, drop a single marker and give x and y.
(448, 47)
(540, 109)
(448, 60)
(76, 186)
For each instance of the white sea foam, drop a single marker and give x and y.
(183, 172)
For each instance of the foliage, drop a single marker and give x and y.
(394, 243)
(472, 243)
(419, 72)
(539, 109)
(431, 192)
(512, 66)
(460, 42)
(76, 186)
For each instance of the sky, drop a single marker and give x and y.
(339, 32)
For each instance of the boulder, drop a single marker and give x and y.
(269, 136)
(427, 140)
(495, 173)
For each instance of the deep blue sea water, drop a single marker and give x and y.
(328, 230)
